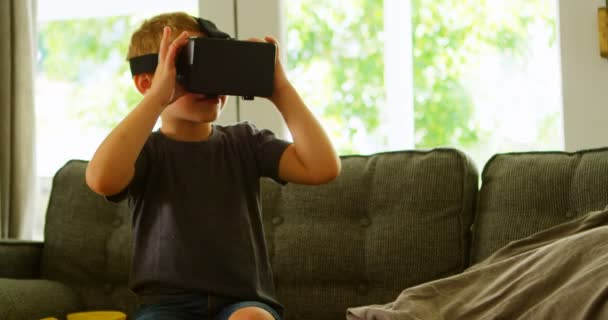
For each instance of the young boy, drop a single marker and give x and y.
(193, 186)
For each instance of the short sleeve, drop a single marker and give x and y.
(268, 150)
(137, 182)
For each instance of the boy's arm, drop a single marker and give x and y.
(113, 165)
(311, 159)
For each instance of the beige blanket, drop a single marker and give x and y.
(559, 273)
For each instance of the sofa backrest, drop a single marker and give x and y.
(523, 193)
(389, 221)
(87, 242)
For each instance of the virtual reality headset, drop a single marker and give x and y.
(219, 65)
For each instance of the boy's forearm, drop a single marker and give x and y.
(112, 166)
(311, 142)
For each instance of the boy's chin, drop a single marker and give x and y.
(194, 113)
(202, 119)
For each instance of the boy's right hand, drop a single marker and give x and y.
(164, 86)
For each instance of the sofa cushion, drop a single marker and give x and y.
(523, 193)
(389, 221)
(22, 299)
(87, 242)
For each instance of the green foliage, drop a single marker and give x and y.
(447, 36)
(346, 39)
(91, 54)
(335, 48)
(71, 49)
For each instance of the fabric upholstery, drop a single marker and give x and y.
(20, 259)
(523, 193)
(87, 242)
(371, 236)
(35, 299)
(389, 221)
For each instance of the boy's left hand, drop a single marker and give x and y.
(280, 78)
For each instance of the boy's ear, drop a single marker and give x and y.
(143, 82)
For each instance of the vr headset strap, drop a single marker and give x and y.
(147, 63)
(210, 29)
(143, 64)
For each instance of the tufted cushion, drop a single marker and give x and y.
(390, 221)
(87, 242)
(523, 193)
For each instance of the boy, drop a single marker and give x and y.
(193, 186)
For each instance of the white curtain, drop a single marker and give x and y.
(17, 119)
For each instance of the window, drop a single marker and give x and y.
(484, 77)
(83, 84)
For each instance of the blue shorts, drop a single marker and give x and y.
(194, 307)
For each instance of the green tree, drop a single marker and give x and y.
(347, 37)
(341, 38)
(447, 35)
(89, 54)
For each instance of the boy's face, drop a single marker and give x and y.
(195, 107)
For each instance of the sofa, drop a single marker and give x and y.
(390, 221)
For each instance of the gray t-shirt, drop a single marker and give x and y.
(197, 223)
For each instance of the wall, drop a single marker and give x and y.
(584, 76)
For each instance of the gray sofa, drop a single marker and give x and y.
(390, 221)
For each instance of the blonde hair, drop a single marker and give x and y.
(146, 39)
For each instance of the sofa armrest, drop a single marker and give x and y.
(20, 259)
(24, 299)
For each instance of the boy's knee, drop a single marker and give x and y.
(251, 313)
